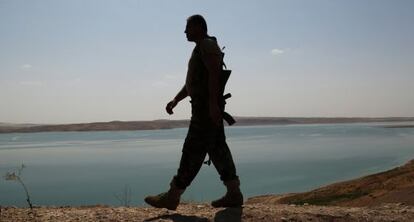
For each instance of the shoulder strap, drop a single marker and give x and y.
(222, 57)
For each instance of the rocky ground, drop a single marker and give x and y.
(391, 186)
(203, 212)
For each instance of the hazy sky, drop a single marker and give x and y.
(84, 61)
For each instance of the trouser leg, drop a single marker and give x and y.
(223, 161)
(193, 155)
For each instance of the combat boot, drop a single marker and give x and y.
(169, 199)
(233, 197)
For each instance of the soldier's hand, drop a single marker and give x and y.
(170, 106)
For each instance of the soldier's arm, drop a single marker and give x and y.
(181, 94)
(213, 64)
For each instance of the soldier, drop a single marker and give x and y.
(206, 131)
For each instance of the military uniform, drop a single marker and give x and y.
(203, 136)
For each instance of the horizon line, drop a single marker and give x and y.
(153, 120)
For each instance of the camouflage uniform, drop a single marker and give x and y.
(203, 136)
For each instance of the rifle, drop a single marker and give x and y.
(225, 75)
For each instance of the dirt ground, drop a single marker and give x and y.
(203, 213)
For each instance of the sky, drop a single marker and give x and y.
(98, 60)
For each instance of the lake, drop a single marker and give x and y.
(87, 168)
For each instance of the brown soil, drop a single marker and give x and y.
(204, 213)
(395, 185)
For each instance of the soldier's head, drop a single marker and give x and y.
(196, 28)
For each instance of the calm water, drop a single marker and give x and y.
(82, 168)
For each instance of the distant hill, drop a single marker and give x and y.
(2, 124)
(169, 124)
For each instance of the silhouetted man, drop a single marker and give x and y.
(206, 132)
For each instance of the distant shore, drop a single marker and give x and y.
(399, 126)
(170, 124)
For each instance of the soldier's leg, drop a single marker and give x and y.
(192, 158)
(222, 160)
(193, 154)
